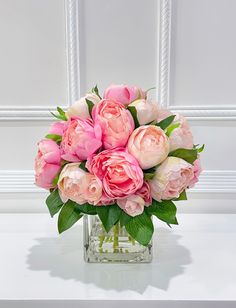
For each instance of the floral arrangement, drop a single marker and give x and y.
(121, 157)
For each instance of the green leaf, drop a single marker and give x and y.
(189, 155)
(141, 228)
(201, 148)
(90, 106)
(109, 215)
(86, 208)
(124, 218)
(68, 216)
(95, 90)
(82, 166)
(182, 196)
(133, 112)
(171, 128)
(166, 122)
(176, 223)
(154, 122)
(148, 176)
(61, 115)
(54, 202)
(61, 112)
(56, 138)
(165, 210)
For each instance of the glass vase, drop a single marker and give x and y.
(116, 246)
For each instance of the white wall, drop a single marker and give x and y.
(44, 65)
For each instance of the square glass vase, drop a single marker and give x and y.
(116, 246)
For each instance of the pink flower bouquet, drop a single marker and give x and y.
(121, 157)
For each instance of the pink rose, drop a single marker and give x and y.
(80, 140)
(47, 163)
(146, 110)
(172, 177)
(145, 193)
(197, 169)
(80, 107)
(115, 121)
(79, 186)
(181, 137)
(149, 145)
(133, 205)
(118, 170)
(58, 128)
(124, 94)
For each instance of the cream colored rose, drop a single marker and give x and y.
(79, 186)
(147, 110)
(80, 108)
(149, 145)
(172, 177)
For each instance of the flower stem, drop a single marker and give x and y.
(116, 237)
(101, 240)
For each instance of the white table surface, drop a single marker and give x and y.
(194, 265)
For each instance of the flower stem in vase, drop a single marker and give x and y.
(101, 240)
(116, 238)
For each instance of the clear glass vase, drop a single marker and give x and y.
(116, 246)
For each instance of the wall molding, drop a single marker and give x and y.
(39, 113)
(219, 112)
(211, 181)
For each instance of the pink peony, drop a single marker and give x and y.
(58, 128)
(115, 121)
(149, 145)
(180, 137)
(118, 170)
(47, 163)
(172, 177)
(145, 193)
(197, 169)
(79, 186)
(133, 205)
(80, 140)
(124, 94)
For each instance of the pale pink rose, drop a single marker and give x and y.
(145, 193)
(79, 186)
(80, 107)
(119, 172)
(172, 177)
(58, 128)
(115, 121)
(197, 169)
(147, 110)
(180, 137)
(80, 140)
(149, 145)
(124, 94)
(132, 205)
(47, 163)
